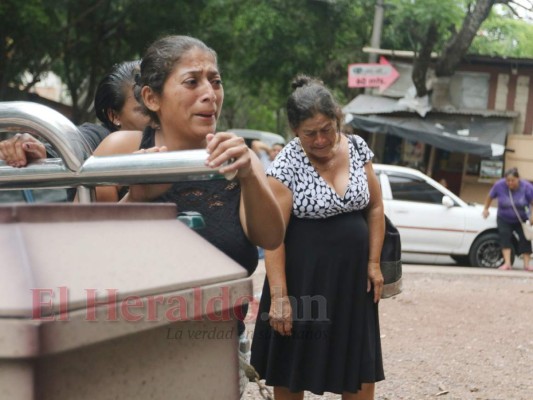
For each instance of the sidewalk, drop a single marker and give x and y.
(517, 272)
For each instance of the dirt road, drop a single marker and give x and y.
(454, 333)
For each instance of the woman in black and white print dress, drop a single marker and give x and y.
(317, 327)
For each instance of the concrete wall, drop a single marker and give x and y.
(521, 102)
(501, 92)
(522, 157)
(474, 191)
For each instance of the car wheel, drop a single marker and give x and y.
(487, 252)
(461, 260)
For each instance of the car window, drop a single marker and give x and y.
(413, 189)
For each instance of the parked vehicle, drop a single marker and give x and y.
(433, 220)
(253, 134)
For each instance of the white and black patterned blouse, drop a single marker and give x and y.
(312, 196)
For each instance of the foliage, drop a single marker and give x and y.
(91, 33)
(504, 35)
(261, 44)
(26, 41)
(407, 22)
(446, 26)
(276, 40)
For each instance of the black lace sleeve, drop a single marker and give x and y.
(218, 202)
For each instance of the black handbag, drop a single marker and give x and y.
(391, 254)
(391, 261)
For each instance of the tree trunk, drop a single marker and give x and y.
(440, 96)
(458, 46)
(421, 63)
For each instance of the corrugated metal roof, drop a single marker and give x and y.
(467, 59)
(367, 105)
(481, 113)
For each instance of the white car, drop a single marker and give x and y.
(433, 220)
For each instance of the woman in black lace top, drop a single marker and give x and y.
(181, 89)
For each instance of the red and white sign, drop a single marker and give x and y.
(380, 75)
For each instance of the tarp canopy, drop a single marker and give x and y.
(482, 136)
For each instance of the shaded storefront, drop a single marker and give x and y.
(463, 150)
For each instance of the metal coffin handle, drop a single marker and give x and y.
(25, 116)
(111, 170)
(186, 165)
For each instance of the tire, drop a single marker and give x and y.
(486, 251)
(461, 260)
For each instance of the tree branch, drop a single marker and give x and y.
(458, 46)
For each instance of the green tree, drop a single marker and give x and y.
(27, 43)
(93, 36)
(437, 25)
(262, 45)
(269, 43)
(81, 39)
(502, 34)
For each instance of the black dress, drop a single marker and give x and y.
(218, 201)
(335, 344)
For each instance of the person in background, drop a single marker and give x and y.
(276, 148)
(320, 299)
(115, 106)
(115, 103)
(512, 190)
(266, 153)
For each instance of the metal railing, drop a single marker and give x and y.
(25, 116)
(74, 169)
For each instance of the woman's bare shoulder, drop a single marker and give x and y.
(119, 142)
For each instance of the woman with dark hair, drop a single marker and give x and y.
(115, 103)
(180, 88)
(318, 326)
(515, 196)
(115, 106)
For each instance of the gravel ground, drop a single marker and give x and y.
(454, 333)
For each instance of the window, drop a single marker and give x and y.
(410, 188)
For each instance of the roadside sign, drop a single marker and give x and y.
(380, 75)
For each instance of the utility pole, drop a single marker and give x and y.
(375, 41)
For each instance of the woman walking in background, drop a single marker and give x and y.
(513, 194)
